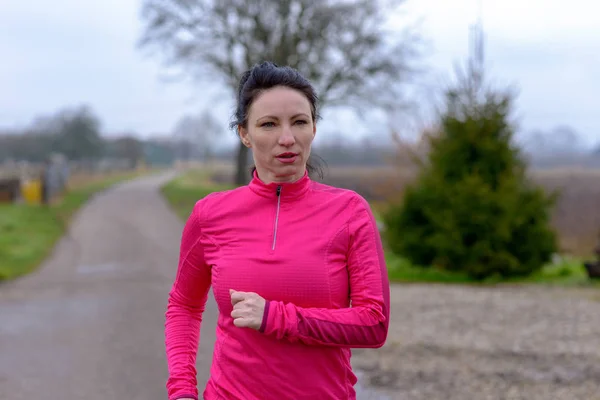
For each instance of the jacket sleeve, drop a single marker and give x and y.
(365, 323)
(183, 317)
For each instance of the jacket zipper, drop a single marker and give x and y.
(276, 217)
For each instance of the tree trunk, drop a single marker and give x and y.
(242, 175)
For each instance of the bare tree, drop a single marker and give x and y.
(342, 46)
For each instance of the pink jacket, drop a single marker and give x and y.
(314, 253)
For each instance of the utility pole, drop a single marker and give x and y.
(476, 56)
(480, 36)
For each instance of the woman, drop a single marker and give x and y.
(286, 257)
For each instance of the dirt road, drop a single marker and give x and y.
(89, 324)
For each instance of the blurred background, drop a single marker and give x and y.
(422, 101)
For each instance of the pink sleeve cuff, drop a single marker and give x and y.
(280, 320)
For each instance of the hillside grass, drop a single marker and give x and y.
(184, 191)
(28, 233)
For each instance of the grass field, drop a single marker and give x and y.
(28, 233)
(183, 192)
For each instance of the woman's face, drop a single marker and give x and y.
(280, 132)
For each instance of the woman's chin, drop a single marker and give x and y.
(289, 172)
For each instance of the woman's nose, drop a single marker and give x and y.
(287, 137)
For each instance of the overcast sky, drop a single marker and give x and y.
(62, 53)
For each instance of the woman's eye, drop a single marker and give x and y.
(301, 122)
(268, 124)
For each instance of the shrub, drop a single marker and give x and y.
(472, 208)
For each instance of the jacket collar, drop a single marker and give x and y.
(288, 190)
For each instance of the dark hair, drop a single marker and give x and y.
(265, 76)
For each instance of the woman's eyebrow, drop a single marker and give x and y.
(275, 117)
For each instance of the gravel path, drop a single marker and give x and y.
(461, 343)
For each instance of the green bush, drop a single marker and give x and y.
(472, 208)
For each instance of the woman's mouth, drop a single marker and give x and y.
(287, 158)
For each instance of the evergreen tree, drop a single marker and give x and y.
(472, 208)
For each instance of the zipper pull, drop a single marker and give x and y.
(278, 191)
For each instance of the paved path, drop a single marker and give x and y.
(89, 324)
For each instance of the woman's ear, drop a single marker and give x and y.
(243, 133)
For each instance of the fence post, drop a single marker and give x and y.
(44, 183)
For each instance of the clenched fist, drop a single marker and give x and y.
(248, 309)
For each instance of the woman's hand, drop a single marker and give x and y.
(248, 309)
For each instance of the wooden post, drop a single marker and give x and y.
(44, 184)
(593, 267)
